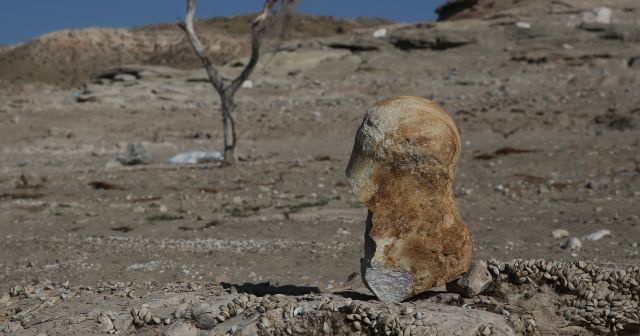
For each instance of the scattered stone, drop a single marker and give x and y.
(559, 233)
(124, 77)
(572, 244)
(425, 39)
(597, 235)
(413, 241)
(106, 324)
(204, 316)
(601, 15)
(473, 282)
(248, 84)
(195, 157)
(379, 33)
(134, 155)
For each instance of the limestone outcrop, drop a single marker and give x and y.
(402, 168)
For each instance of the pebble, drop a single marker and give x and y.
(572, 244)
(560, 233)
(597, 235)
(381, 32)
(473, 282)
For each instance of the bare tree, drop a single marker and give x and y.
(227, 91)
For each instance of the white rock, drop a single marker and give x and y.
(382, 32)
(597, 235)
(600, 15)
(560, 233)
(248, 84)
(523, 25)
(572, 244)
(194, 157)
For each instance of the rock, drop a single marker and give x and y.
(601, 15)
(105, 322)
(523, 25)
(195, 157)
(123, 77)
(378, 33)
(572, 244)
(473, 282)
(248, 84)
(402, 168)
(181, 329)
(410, 39)
(134, 155)
(597, 235)
(204, 316)
(452, 8)
(559, 233)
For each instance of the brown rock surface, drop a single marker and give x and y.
(402, 168)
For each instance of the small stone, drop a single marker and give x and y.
(203, 316)
(473, 282)
(560, 233)
(134, 155)
(379, 33)
(105, 322)
(124, 77)
(572, 244)
(597, 235)
(523, 25)
(601, 15)
(409, 143)
(248, 84)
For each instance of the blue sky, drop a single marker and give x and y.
(22, 20)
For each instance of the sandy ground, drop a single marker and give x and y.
(548, 117)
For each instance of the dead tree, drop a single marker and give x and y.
(227, 91)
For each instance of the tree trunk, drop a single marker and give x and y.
(229, 126)
(227, 92)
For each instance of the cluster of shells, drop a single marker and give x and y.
(402, 321)
(292, 315)
(143, 315)
(269, 313)
(603, 299)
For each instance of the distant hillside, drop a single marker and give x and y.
(70, 57)
(477, 9)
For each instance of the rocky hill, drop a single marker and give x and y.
(470, 9)
(70, 57)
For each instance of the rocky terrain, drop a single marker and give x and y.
(96, 222)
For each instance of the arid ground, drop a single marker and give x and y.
(546, 99)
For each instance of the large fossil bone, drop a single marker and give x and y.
(402, 168)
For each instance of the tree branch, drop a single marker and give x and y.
(268, 4)
(253, 61)
(256, 30)
(213, 74)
